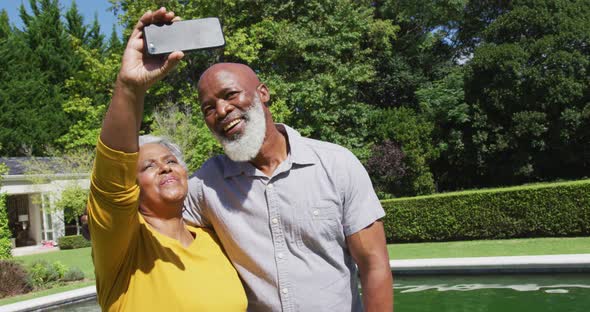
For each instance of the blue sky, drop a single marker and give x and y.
(87, 8)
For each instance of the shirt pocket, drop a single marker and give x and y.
(318, 228)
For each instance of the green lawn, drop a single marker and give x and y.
(491, 248)
(71, 258)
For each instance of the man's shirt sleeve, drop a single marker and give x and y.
(361, 207)
(193, 211)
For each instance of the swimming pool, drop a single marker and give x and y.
(474, 293)
(505, 293)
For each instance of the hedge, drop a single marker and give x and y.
(542, 210)
(73, 242)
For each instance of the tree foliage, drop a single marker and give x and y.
(72, 202)
(442, 102)
(88, 94)
(35, 61)
(191, 134)
(413, 133)
(313, 55)
(430, 95)
(529, 91)
(386, 167)
(422, 51)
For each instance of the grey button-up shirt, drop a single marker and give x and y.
(286, 234)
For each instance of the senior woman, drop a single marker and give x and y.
(145, 257)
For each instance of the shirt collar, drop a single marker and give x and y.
(299, 154)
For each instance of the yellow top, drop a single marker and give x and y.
(139, 269)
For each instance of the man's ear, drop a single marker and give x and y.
(263, 93)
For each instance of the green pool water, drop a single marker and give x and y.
(475, 293)
(502, 293)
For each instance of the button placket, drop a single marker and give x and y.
(279, 246)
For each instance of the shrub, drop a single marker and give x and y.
(58, 270)
(43, 273)
(14, 279)
(546, 210)
(5, 243)
(73, 242)
(386, 167)
(73, 274)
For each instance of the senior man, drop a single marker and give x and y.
(294, 214)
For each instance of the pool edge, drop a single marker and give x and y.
(52, 301)
(482, 265)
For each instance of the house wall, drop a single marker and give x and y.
(15, 185)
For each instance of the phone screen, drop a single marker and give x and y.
(189, 35)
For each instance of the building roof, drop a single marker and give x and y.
(18, 165)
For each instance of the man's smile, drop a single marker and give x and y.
(231, 124)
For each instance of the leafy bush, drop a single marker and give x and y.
(43, 273)
(545, 210)
(5, 244)
(404, 172)
(386, 167)
(14, 279)
(58, 270)
(73, 242)
(73, 274)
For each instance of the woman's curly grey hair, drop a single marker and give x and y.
(173, 148)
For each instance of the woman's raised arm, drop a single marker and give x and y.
(139, 71)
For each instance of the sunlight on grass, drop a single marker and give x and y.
(490, 248)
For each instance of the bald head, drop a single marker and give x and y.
(225, 72)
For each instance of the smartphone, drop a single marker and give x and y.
(189, 35)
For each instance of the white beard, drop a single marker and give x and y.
(247, 146)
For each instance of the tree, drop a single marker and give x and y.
(75, 22)
(114, 46)
(317, 55)
(477, 16)
(190, 132)
(35, 63)
(95, 40)
(72, 202)
(5, 28)
(529, 92)
(30, 103)
(442, 102)
(44, 33)
(313, 55)
(422, 50)
(403, 127)
(89, 91)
